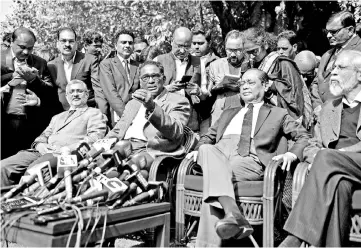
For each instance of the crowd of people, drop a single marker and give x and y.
(268, 99)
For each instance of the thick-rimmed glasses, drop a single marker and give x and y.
(146, 78)
(73, 91)
(236, 51)
(333, 32)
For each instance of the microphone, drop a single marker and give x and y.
(127, 169)
(107, 144)
(67, 164)
(143, 160)
(140, 178)
(157, 193)
(93, 153)
(76, 179)
(114, 186)
(41, 171)
(99, 169)
(81, 151)
(132, 188)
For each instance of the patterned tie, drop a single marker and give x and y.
(244, 144)
(71, 112)
(126, 65)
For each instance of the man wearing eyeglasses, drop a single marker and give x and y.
(68, 129)
(119, 76)
(234, 64)
(178, 63)
(236, 149)
(72, 64)
(321, 215)
(153, 120)
(28, 96)
(341, 35)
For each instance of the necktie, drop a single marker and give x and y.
(244, 144)
(126, 65)
(71, 112)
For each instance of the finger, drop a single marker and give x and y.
(284, 164)
(21, 94)
(195, 157)
(276, 157)
(30, 92)
(288, 166)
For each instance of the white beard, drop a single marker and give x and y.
(336, 89)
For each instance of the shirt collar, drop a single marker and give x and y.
(257, 105)
(81, 108)
(185, 60)
(344, 45)
(123, 59)
(70, 61)
(355, 102)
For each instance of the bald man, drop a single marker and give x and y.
(29, 98)
(307, 63)
(178, 63)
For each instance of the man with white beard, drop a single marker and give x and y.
(321, 215)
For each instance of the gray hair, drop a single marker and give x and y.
(234, 34)
(76, 81)
(355, 58)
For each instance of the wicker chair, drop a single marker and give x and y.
(257, 199)
(299, 178)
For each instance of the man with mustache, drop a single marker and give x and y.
(341, 35)
(72, 64)
(178, 63)
(236, 149)
(235, 64)
(28, 96)
(321, 215)
(68, 129)
(119, 76)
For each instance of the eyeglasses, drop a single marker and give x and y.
(253, 51)
(79, 91)
(126, 41)
(185, 47)
(333, 32)
(63, 41)
(146, 78)
(236, 51)
(340, 67)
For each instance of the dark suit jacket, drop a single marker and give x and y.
(273, 123)
(38, 117)
(319, 88)
(328, 128)
(85, 68)
(115, 85)
(164, 128)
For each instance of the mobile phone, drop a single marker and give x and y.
(186, 78)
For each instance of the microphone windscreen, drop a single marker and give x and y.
(112, 174)
(145, 174)
(124, 147)
(82, 151)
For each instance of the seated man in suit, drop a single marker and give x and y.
(72, 64)
(321, 215)
(154, 119)
(69, 128)
(119, 77)
(237, 148)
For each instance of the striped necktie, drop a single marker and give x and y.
(244, 144)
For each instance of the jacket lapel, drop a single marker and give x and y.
(328, 59)
(132, 69)
(332, 117)
(72, 117)
(262, 116)
(9, 60)
(78, 61)
(358, 133)
(226, 119)
(119, 65)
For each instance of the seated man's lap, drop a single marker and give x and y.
(246, 169)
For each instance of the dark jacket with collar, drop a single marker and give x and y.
(272, 125)
(115, 84)
(320, 91)
(85, 68)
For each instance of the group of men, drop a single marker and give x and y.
(243, 107)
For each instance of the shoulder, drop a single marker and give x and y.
(93, 110)
(38, 60)
(276, 111)
(54, 61)
(175, 98)
(88, 57)
(219, 61)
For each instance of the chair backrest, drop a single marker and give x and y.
(190, 139)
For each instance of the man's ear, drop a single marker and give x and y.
(358, 76)
(295, 47)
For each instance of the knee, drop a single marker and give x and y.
(204, 148)
(325, 155)
(344, 187)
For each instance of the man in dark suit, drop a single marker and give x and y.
(321, 215)
(72, 64)
(119, 76)
(341, 35)
(93, 43)
(28, 96)
(178, 63)
(153, 121)
(237, 148)
(67, 129)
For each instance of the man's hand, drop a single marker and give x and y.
(174, 86)
(30, 99)
(193, 155)
(193, 89)
(145, 97)
(44, 148)
(316, 112)
(27, 73)
(288, 158)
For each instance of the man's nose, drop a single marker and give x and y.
(26, 51)
(329, 35)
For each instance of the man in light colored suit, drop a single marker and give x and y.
(235, 64)
(237, 148)
(341, 35)
(153, 121)
(72, 64)
(67, 129)
(321, 215)
(119, 76)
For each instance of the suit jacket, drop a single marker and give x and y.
(164, 128)
(115, 85)
(85, 68)
(327, 130)
(38, 117)
(319, 88)
(85, 125)
(272, 125)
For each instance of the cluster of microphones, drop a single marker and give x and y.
(101, 173)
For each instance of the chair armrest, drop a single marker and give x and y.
(299, 178)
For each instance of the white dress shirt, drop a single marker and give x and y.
(68, 67)
(203, 71)
(355, 101)
(235, 125)
(136, 128)
(125, 66)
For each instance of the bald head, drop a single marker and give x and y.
(22, 43)
(306, 61)
(182, 40)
